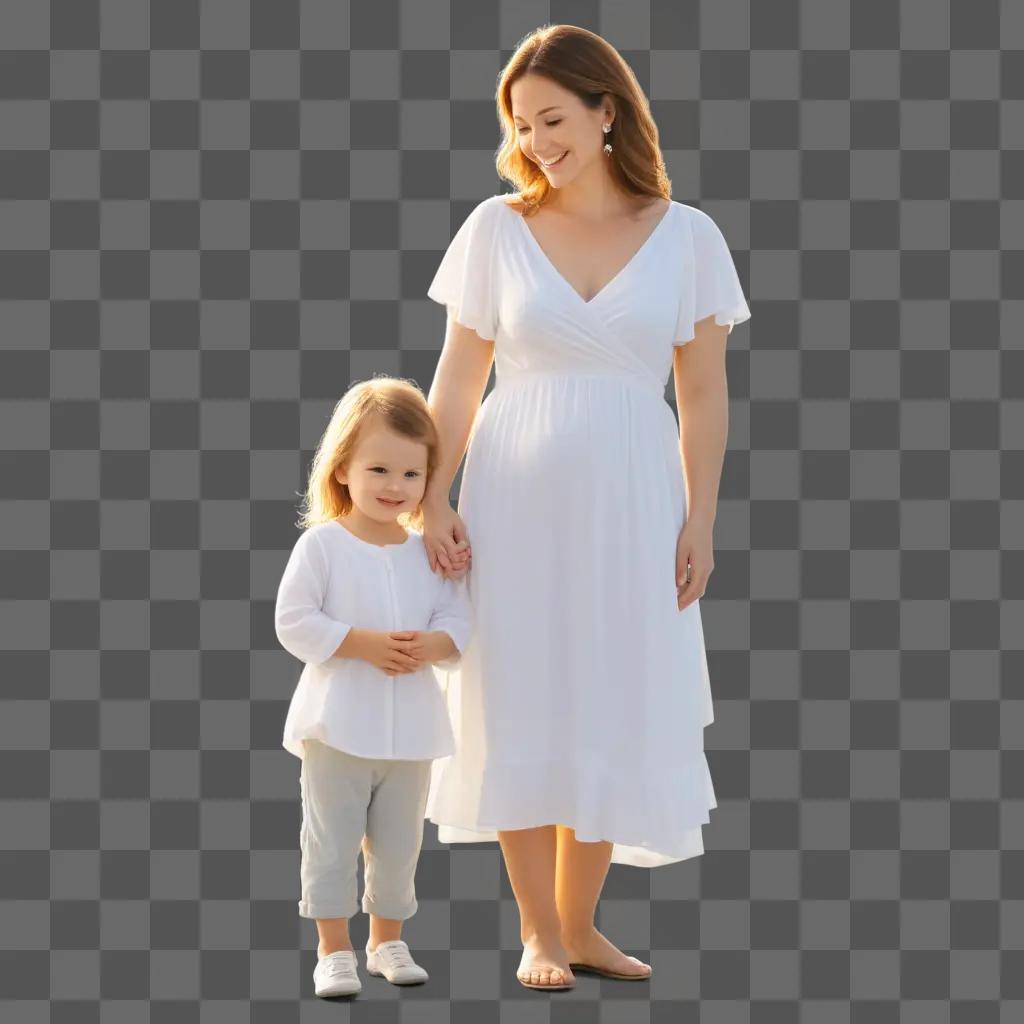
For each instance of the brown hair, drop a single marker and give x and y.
(390, 401)
(589, 66)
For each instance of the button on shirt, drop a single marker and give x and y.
(335, 581)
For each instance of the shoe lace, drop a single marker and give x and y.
(397, 953)
(338, 965)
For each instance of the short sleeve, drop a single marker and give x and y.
(465, 281)
(715, 285)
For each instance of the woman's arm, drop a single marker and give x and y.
(702, 402)
(459, 384)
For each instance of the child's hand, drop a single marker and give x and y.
(462, 562)
(392, 652)
(426, 645)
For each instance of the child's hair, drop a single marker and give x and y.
(397, 404)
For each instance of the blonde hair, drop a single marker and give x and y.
(589, 66)
(392, 402)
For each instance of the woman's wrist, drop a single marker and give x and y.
(435, 500)
(701, 519)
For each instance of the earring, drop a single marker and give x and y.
(607, 146)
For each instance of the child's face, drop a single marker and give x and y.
(387, 474)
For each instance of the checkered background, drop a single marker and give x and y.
(216, 215)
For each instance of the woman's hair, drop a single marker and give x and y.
(391, 402)
(582, 62)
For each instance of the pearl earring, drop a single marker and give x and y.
(607, 146)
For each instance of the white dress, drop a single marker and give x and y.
(583, 694)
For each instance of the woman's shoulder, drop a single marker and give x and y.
(497, 205)
(484, 215)
(700, 219)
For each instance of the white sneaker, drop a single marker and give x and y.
(335, 974)
(392, 960)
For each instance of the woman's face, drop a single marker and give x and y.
(552, 124)
(387, 474)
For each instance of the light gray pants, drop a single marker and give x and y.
(348, 802)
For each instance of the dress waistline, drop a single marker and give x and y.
(517, 378)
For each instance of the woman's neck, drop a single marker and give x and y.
(593, 197)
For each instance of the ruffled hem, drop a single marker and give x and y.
(724, 317)
(293, 742)
(637, 856)
(474, 320)
(649, 825)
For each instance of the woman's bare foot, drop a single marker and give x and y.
(594, 949)
(544, 962)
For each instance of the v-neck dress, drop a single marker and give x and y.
(583, 695)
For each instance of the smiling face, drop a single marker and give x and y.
(553, 124)
(387, 474)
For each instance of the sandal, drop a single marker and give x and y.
(605, 973)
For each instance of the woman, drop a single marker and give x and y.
(580, 705)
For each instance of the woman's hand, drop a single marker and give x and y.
(446, 541)
(695, 549)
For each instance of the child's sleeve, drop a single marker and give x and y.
(454, 616)
(302, 627)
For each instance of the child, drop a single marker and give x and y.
(360, 605)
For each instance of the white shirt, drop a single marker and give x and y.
(335, 581)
